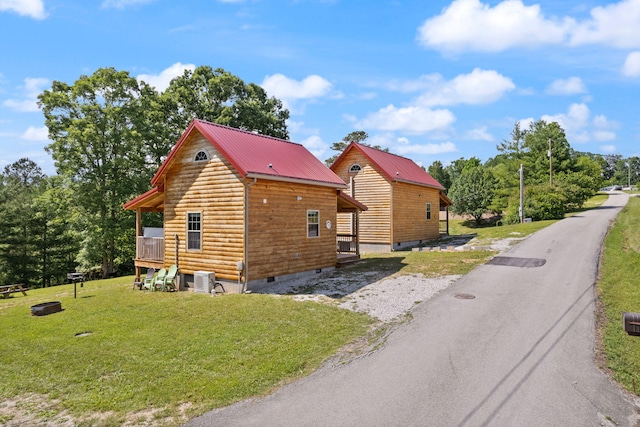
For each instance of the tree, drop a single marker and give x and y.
(358, 136)
(98, 132)
(472, 191)
(541, 139)
(440, 174)
(220, 97)
(18, 222)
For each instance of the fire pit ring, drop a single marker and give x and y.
(45, 308)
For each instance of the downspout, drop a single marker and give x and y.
(246, 235)
(393, 184)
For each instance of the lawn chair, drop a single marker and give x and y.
(158, 282)
(146, 282)
(170, 279)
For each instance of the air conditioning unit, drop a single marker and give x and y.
(203, 281)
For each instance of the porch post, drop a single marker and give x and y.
(138, 233)
(357, 221)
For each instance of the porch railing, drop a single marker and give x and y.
(150, 248)
(347, 244)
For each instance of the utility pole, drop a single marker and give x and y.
(521, 209)
(550, 165)
(629, 166)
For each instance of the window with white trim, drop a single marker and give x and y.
(428, 210)
(355, 168)
(194, 231)
(201, 156)
(313, 223)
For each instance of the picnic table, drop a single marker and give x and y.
(7, 290)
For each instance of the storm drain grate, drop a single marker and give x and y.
(517, 262)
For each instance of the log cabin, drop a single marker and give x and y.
(404, 202)
(251, 209)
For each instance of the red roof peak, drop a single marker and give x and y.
(256, 155)
(393, 166)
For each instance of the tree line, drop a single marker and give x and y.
(110, 133)
(556, 178)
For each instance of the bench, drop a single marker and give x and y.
(7, 290)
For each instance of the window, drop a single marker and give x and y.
(194, 231)
(355, 168)
(428, 210)
(313, 223)
(201, 156)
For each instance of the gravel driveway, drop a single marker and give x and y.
(387, 297)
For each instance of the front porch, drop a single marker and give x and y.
(149, 252)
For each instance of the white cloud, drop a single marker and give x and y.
(608, 148)
(32, 88)
(282, 87)
(604, 135)
(478, 87)
(31, 8)
(472, 25)
(121, 4)
(36, 134)
(614, 25)
(315, 145)
(480, 134)
(631, 65)
(414, 120)
(431, 149)
(570, 86)
(579, 126)
(294, 93)
(576, 117)
(526, 123)
(161, 81)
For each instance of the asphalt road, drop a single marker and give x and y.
(519, 353)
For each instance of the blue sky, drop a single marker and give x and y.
(430, 80)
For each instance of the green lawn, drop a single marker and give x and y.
(619, 289)
(117, 355)
(115, 351)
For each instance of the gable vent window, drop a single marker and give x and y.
(355, 168)
(201, 156)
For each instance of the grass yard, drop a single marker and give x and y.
(117, 355)
(619, 289)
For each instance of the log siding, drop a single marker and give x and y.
(215, 189)
(278, 228)
(369, 187)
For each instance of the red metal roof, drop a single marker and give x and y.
(152, 200)
(255, 155)
(394, 167)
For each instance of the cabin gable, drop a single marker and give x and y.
(213, 189)
(370, 187)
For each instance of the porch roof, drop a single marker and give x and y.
(151, 201)
(445, 200)
(347, 203)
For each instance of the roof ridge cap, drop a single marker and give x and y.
(248, 132)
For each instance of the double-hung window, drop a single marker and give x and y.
(313, 223)
(428, 210)
(194, 231)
